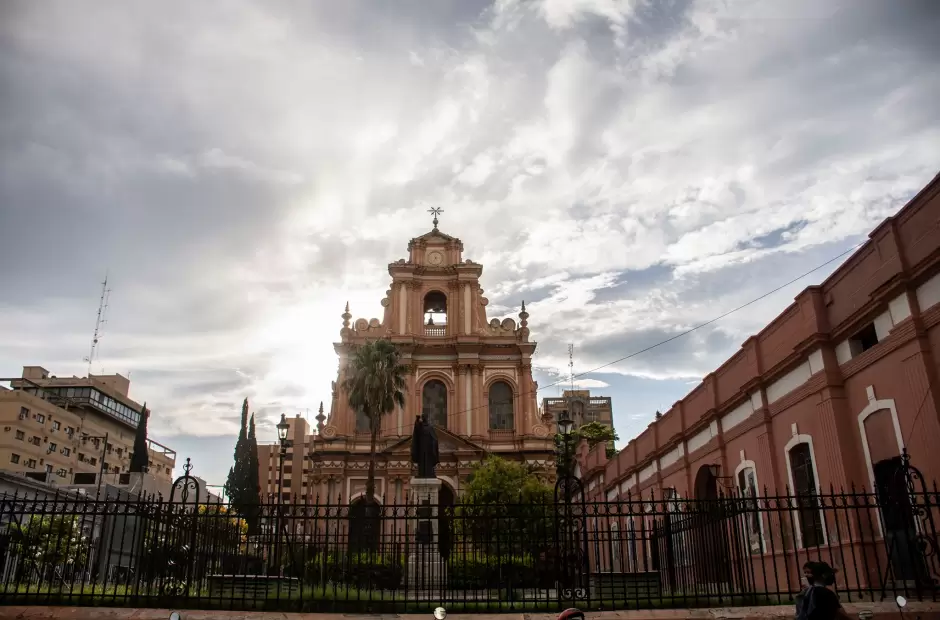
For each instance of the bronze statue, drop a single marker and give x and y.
(424, 451)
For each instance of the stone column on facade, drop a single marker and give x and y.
(403, 308)
(920, 423)
(521, 404)
(454, 310)
(453, 404)
(460, 410)
(480, 415)
(415, 393)
(712, 382)
(765, 461)
(467, 309)
(927, 405)
(469, 402)
(838, 429)
(415, 309)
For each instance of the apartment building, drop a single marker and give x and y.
(296, 486)
(71, 430)
(582, 407)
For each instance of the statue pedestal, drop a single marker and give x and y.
(425, 564)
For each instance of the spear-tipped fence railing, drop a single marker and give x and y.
(512, 555)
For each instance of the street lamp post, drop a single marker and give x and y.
(565, 426)
(568, 483)
(282, 429)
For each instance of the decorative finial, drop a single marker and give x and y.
(187, 466)
(346, 316)
(320, 419)
(435, 211)
(523, 316)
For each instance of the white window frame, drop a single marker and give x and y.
(874, 406)
(615, 548)
(743, 466)
(795, 441)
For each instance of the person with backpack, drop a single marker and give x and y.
(816, 601)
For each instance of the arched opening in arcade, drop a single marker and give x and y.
(364, 524)
(445, 519)
(707, 526)
(435, 314)
(894, 480)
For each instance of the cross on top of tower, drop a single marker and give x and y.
(435, 211)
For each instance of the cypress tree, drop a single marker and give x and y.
(236, 484)
(254, 474)
(252, 497)
(140, 458)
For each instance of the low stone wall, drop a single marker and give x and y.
(881, 611)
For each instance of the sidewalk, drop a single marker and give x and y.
(881, 611)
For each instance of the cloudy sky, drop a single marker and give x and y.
(630, 168)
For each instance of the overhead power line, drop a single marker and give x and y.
(572, 376)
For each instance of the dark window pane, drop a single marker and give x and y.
(501, 406)
(434, 402)
(804, 487)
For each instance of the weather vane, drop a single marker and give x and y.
(435, 211)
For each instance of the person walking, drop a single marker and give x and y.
(816, 601)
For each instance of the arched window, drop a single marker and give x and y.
(616, 563)
(363, 528)
(747, 488)
(807, 496)
(362, 422)
(501, 410)
(434, 402)
(633, 562)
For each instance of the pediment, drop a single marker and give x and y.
(447, 442)
(435, 237)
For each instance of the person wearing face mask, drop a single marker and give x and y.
(817, 601)
(806, 582)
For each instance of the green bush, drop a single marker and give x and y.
(489, 572)
(360, 570)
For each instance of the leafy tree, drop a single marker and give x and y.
(594, 433)
(205, 539)
(375, 384)
(505, 507)
(140, 459)
(45, 543)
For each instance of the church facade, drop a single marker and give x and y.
(469, 374)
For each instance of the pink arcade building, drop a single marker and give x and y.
(823, 401)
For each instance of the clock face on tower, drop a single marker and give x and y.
(435, 258)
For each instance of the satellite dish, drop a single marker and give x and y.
(440, 613)
(175, 615)
(901, 601)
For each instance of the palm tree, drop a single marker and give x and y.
(375, 384)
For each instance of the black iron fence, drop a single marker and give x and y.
(495, 557)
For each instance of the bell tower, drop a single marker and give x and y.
(470, 375)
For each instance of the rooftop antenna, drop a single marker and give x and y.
(571, 364)
(99, 322)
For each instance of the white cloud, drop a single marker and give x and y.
(563, 14)
(590, 384)
(630, 169)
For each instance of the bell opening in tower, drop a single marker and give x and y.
(435, 314)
